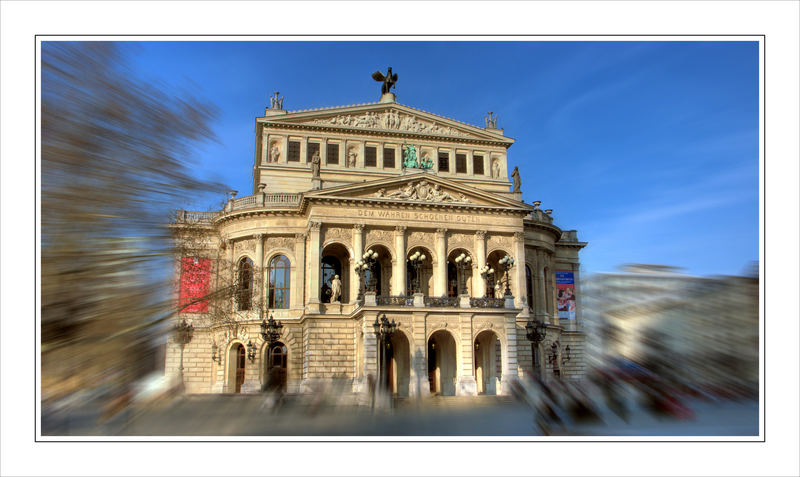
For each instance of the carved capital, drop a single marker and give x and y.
(259, 236)
(315, 226)
(480, 234)
(300, 237)
(358, 227)
(400, 229)
(519, 235)
(441, 231)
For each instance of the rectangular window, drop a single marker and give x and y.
(444, 161)
(477, 165)
(333, 153)
(461, 163)
(294, 151)
(388, 157)
(371, 156)
(313, 148)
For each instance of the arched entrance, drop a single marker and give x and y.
(399, 364)
(458, 277)
(236, 363)
(499, 277)
(488, 362)
(442, 363)
(276, 362)
(335, 261)
(382, 270)
(425, 283)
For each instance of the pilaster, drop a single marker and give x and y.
(399, 269)
(314, 266)
(440, 274)
(519, 270)
(297, 298)
(480, 261)
(358, 251)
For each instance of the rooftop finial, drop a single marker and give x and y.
(388, 83)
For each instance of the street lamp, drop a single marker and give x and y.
(487, 273)
(416, 261)
(183, 335)
(367, 262)
(251, 351)
(507, 262)
(271, 330)
(535, 331)
(383, 333)
(463, 262)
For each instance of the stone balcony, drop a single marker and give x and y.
(256, 201)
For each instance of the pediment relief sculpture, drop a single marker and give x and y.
(422, 191)
(391, 120)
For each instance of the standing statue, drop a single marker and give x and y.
(274, 153)
(315, 165)
(388, 81)
(276, 102)
(409, 156)
(351, 159)
(495, 169)
(336, 289)
(517, 182)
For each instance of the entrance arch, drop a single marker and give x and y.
(382, 270)
(275, 374)
(236, 367)
(399, 364)
(335, 261)
(442, 363)
(488, 362)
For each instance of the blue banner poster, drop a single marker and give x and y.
(565, 284)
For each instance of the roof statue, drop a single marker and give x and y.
(275, 101)
(388, 81)
(410, 160)
(491, 120)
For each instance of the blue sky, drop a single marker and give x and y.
(648, 149)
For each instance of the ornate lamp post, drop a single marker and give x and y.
(535, 331)
(183, 335)
(507, 262)
(488, 275)
(463, 262)
(271, 330)
(367, 262)
(416, 261)
(383, 333)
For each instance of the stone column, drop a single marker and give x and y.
(297, 299)
(479, 289)
(466, 385)
(263, 156)
(313, 266)
(358, 251)
(304, 150)
(260, 270)
(323, 152)
(379, 156)
(361, 156)
(232, 265)
(440, 274)
(470, 168)
(519, 269)
(285, 152)
(399, 266)
(541, 309)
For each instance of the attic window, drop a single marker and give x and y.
(294, 151)
(477, 165)
(388, 157)
(332, 154)
(461, 163)
(444, 161)
(313, 147)
(370, 156)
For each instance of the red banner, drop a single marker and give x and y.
(195, 274)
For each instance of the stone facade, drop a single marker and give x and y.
(275, 253)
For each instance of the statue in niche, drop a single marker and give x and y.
(388, 81)
(336, 289)
(351, 158)
(315, 160)
(409, 156)
(517, 182)
(274, 153)
(495, 169)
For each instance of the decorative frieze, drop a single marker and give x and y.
(273, 242)
(460, 240)
(390, 120)
(378, 235)
(422, 191)
(503, 241)
(337, 233)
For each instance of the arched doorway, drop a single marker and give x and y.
(399, 364)
(382, 271)
(454, 274)
(276, 362)
(499, 278)
(425, 273)
(488, 362)
(236, 368)
(442, 363)
(335, 260)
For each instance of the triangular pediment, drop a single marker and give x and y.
(419, 188)
(392, 118)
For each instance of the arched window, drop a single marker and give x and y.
(279, 282)
(529, 286)
(244, 284)
(330, 266)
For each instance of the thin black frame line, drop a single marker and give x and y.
(764, 265)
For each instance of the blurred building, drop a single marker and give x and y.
(701, 331)
(360, 212)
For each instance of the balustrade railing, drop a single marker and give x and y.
(486, 302)
(395, 300)
(441, 301)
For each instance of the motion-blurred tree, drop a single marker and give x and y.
(115, 151)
